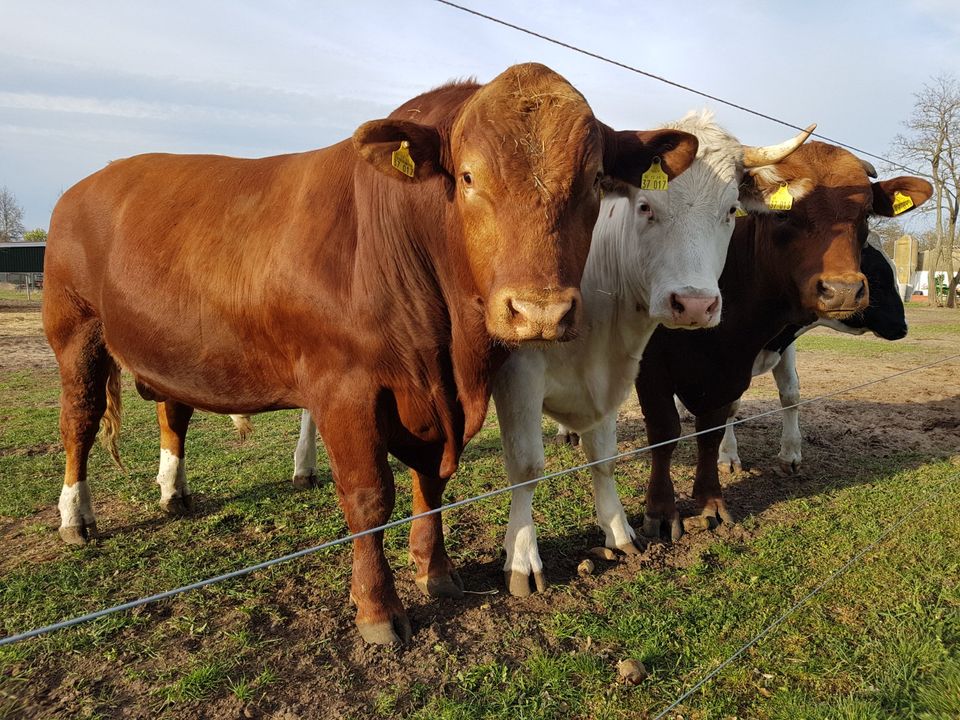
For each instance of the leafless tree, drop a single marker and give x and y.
(934, 141)
(11, 217)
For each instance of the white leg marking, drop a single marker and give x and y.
(788, 383)
(172, 477)
(305, 456)
(598, 443)
(75, 507)
(518, 395)
(728, 460)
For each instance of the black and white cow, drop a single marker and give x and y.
(885, 318)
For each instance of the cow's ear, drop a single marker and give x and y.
(900, 195)
(764, 190)
(628, 154)
(401, 149)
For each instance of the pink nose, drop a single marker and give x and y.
(693, 311)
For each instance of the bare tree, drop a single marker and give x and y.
(890, 230)
(11, 217)
(934, 141)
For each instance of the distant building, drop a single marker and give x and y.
(906, 259)
(22, 263)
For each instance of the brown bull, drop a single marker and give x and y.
(377, 282)
(783, 267)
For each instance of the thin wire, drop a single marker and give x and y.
(816, 590)
(689, 89)
(450, 506)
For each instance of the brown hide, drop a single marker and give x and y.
(769, 280)
(331, 281)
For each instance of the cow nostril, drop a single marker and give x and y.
(675, 304)
(825, 291)
(570, 315)
(861, 291)
(713, 306)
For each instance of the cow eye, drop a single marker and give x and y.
(467, 179)
(645, 208)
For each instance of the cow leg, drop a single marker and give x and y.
(174, 419)
(85, 369)
(728, 460)
(788, 383)
(598, 443)
(365, 488)
(682, 409)
(518, 394)
(663, 424)
(436, 575)
(566, 436)
(706, 486)
(305, 456)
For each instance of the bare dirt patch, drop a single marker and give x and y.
(23, 345)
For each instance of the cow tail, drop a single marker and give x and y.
(110, 423)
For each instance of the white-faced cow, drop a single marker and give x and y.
(656, 258)
(788, 267)
(885, 318)
(378, 283)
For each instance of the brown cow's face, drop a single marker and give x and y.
(817, 241)
(524, 157)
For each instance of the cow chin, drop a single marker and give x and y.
(531, 317)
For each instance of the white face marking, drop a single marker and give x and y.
(172, 477)
(672, 244)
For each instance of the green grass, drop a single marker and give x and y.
(882, 641)
(35, 295)
(860, 346)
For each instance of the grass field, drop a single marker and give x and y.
(881, 641)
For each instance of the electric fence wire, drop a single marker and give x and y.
(715, 98)
(450, 506)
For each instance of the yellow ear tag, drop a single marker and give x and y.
(901, 202)
(402, 161)
(654, 178)
(740, 212)
(781, 199)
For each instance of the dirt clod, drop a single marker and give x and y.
(586, 567)
(632, 672)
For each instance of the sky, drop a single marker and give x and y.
(82, 84)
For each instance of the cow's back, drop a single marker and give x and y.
(190, 258)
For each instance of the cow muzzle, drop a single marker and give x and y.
(551, 315)
(840, 297)
(694, 311)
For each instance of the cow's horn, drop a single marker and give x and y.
(871, 170)
(772, 154)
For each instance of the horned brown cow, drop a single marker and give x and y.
(788, 267)
(376, 282)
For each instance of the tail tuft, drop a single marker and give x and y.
(110, 423)
(243, 425)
